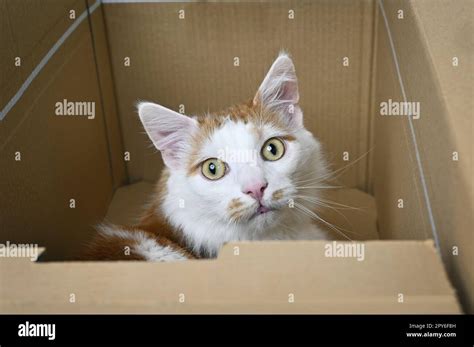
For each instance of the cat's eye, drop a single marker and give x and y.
(213, 169)
(273, 149)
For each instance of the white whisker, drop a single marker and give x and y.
(314, 215)
(336, 210)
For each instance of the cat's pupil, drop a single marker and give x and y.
(212, 168)
(272, 149)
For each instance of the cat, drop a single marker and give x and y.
(249, 172)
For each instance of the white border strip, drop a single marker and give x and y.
(412, 131)
(46, 58)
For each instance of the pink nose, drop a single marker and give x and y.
(256, 190)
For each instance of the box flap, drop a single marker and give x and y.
(253, 277)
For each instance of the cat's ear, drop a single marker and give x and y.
(279, 90)
(169, 131)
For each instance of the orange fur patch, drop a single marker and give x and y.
(235, 203)
(237, 215)
(277, 194)
(235, 209)
(152, 223)
(245, 112)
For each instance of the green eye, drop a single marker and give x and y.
(213, 168)
(273, 149)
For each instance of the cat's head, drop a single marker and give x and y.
(241, 167)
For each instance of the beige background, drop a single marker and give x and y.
(190, 62)
(62, 158)
(425, 42)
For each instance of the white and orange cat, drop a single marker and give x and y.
(233, 175)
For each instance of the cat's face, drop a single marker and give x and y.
(244, 170)
(240, 167)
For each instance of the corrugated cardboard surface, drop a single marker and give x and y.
(263, 278)
(107, 92)
(62, 157)
(29, 42)
(396, 175)
(425, 42)
(191, 62)
(452, 191)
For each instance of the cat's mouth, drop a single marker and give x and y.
(262, 209)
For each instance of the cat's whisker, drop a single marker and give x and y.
(328, 202)
(343, 169)
(299, 178)
(331, 175)
(310, 213)
(318, 187)
(281, 224)
(344, 206)
(316, 184)
(304, 176)
(336, 210)
(327, 206)
(299, 209)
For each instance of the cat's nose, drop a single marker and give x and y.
(255, 190)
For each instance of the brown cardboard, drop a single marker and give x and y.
(190, 62)
(264, 278)
(425, 42)
(107, 93)
(62, 158)
(29, 42)
(452, 192)
(394, 155)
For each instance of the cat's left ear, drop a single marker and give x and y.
(279, 91)
(169, 131)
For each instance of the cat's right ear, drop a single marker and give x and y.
(169, 131)
(279, 90)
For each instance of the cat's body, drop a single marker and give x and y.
(250, 172)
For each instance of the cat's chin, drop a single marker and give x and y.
(263, 218)
(263, 212)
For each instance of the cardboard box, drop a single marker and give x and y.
(350, 56)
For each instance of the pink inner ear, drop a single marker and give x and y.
(290, 110)
(172, 145)
(168, 130)
(171, 159)
(172, 152)
(168, 143)
(280, 86)
(289, 91)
